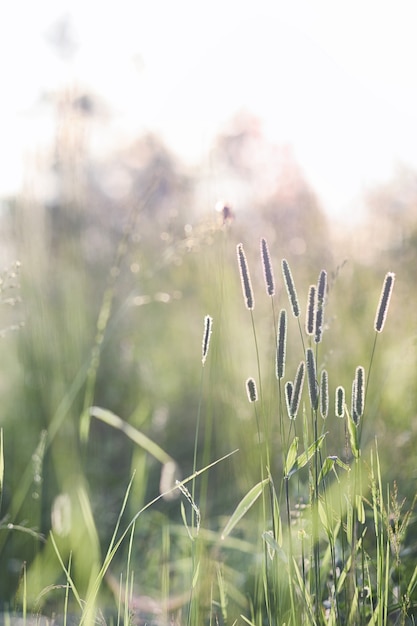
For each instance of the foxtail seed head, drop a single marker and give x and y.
(251, 390)
(321, 295)
(208, 327)
(384, 300)
(311, 310)
(266, 263)
(359, 391)
(245, 278)
(353, 411)
(324, 394)
(281, 344)
(289, 284)
(312, 379)
(297, 390)
(288, 396)
(322, 287)
(340, 401)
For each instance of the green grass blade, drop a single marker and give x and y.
(291, 457)
(135, 435)
(244, 505)
(292, 464)
(1, 467)
(353, 434)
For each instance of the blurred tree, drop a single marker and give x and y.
(273, 197)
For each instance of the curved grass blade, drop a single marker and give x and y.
(135, 435)
(1, 467)
(273, 546)
(291, 457)
(304, 457)
(244, 505)
(329, 465)
(353, 435)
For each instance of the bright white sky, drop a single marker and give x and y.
(335, 79)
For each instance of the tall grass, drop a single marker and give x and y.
(338, 551)
(318, 538)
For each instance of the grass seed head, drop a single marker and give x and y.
(359, 391)
(297, 390)
(384, 300)
(245, 278)
(266, 263)
(289, 284)
(312, 379)
(208, 327)
(288, 396)
(321, 295)
(340, 401)
(322, 287)
(251, 390)
(353, 412)
(281, 344)
(324, 394)
(311, 310)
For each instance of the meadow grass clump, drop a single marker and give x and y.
(316, 539)
(331, 561)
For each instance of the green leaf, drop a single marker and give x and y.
(324, 518)
(184, 520)
(1, 465)
(360, 509)
(135, 435)
(328, 466)
(341, 464)
(353, 435)
(291, 457)
(244, 505)
(273, 546)
(304, 458)
(196, 575)
(276, 516)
